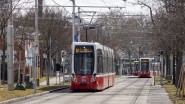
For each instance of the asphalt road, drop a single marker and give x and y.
(127, 90)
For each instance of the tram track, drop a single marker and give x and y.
(96, 92)
(107, 99)
(117, 82)
(104, 89)
(67, 92)
(55, 96)
(139, 92)
(91, 93)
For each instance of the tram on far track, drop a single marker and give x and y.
(136, 68)
(92, 66)
(145, 67)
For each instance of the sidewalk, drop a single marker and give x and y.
(53, 81)
(158, 95)
(1, 88)
(57, 80)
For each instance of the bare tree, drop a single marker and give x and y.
(4, 16)
(170, 31)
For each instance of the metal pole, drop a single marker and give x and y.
(130, 62)
(154, 73)
(35, 47)
(29, 67)
(161, 70)
(86, 35)
(62, 61)
(47, 77)
(121, 67)
(63, 71)
(59, 77)
(56, 78)
(73, 28)
(29, 58)
(50, 61)
(10, 47)
(19, 72)
(78, 24)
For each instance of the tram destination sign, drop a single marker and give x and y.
(85, 50)
(144, 60)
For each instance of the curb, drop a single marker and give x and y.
(31, 96)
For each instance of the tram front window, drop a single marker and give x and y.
(84, 60)
(145, 66)
(136, 67)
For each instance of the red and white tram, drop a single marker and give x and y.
(145, 67)
(136, 68)
(92, 66)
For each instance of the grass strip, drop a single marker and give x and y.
(6, 95)
(171, 89)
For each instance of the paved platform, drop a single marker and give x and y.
(158, 95)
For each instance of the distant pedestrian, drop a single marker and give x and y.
(58, 67)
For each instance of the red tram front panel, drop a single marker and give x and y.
(82, 83)
(86, 83)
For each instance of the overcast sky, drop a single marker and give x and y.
(129, 6)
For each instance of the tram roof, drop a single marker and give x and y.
(86, 43)
(98, 45)
(145, 58)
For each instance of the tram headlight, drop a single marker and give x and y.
(93, 78)
(74, 78)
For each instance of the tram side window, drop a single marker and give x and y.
(108, 65)
(110, 62)
(105, 62)
(113, 63)
(112, 69)
(99, 61)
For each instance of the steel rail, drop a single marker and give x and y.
(107, 99)
(139, 92)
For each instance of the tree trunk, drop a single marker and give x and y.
(168, 67)
(3, 62)
(178, 66)
(174, 77)
(47, 69)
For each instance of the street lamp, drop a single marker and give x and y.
(130, 58)
(73, 24)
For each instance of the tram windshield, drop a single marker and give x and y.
(136, 66)
(145, 65)
(84, 60)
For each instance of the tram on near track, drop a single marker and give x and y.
(145, 68)
(136, 68)
(92, 66)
